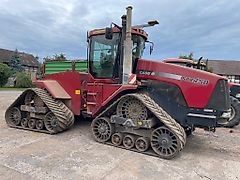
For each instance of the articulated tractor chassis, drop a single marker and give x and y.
(136, 104)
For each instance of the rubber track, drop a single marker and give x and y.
(149, 152)
(58, 108)
(162, 115)
(235, 120)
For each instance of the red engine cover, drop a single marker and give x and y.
(196, 85)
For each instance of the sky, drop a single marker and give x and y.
(208, 28)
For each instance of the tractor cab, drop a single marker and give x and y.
(105, 54)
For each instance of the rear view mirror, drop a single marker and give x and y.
(151, 49)
(108, 33)
(151, 46)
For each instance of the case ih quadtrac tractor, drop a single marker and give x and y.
(136, 104)
(234, 90)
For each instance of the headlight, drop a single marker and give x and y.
(238, 95)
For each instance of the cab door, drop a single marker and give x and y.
(102, 59)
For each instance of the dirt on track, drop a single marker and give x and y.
(75, 155)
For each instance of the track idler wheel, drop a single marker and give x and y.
(102, 129)
(129, 141)
(51, 123)
(165, 143)
(39, 124)
(13, 116)
(142, 144)
(32, 123)
(117, 139)
(24, 122)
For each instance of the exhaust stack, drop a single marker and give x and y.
(127, 59)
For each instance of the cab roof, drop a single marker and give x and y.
(135, 31)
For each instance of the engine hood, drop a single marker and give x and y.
(196, 85)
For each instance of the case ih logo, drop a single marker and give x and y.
(195, 80)
(174, 76)
(147, 73)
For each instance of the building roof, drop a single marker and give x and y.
(225, 67)
(25, 59)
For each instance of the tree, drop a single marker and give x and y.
(189, 56)
(5, 73)
(56, 57)
(23, 80)
(47, 59)
(60, 57)
(15, 62)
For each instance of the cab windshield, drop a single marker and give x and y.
(138, 46)
(103, 53)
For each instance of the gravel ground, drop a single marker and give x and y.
(75, 155)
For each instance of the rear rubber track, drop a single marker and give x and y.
(63, 114)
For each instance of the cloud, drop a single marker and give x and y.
(207, 28)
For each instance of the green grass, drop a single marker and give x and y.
(11, 89)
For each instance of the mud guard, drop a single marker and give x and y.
(54, 88)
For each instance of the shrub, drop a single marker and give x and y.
(23, 80)
(5, 73)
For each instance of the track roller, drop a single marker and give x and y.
(142, 144)
(24, 122)
(129, 141)
(32, 123)
(165, 143)
(39, 124)
(117, 139)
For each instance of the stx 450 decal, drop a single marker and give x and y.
(174, 76)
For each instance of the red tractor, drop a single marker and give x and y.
(136, 104)
(234, 119)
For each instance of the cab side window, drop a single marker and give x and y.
(103, 55)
